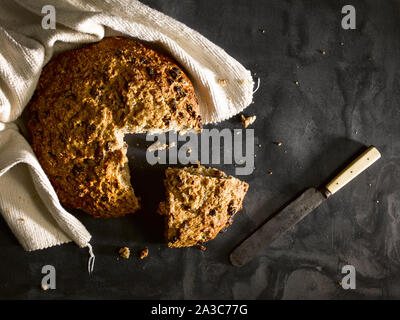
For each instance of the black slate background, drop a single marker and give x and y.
(346, 100)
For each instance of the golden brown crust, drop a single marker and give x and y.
(200, 202)
(86, 100)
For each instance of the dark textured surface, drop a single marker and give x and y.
(345, 100)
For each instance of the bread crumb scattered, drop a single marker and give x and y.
(297, 83)
(203, 248)
(248, 121)
(158, 146)
(124, 252)
(323, 52)
(44, 287)
(188, 150)
(342, 43)
(278, 143)
(21, 219)
(144, 253)
(222, 82)
(269, 172)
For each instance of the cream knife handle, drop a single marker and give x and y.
(362, 162)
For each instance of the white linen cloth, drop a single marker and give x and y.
(28, 202)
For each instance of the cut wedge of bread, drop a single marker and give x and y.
(200, 202)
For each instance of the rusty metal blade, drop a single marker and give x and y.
(275, 227)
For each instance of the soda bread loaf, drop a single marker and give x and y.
(200, 202)
(86, 100)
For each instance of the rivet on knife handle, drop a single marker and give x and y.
(362, 162)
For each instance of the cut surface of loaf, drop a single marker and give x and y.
(86, 100)
(200, 202)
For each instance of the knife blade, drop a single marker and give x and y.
(299, 208)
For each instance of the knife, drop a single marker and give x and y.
(299, 208)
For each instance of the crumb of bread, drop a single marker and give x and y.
(124, 252)
(222, 82)
(248, 120)
(278, 143)
(297, 83)
(323, 52)
(144, 253)
(157, 146)
(203, 248)
(44, 287)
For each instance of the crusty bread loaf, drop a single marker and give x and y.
(86, 100)
(200, 202)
